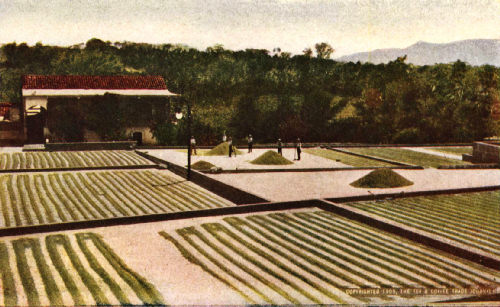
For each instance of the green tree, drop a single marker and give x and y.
(323, 50)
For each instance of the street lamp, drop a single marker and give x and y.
(179, 115)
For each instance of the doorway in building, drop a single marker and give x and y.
(35, 122)
(137, 136)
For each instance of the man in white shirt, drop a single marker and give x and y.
(250, 143)
(193, 145)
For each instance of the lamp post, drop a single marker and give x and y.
(179, 115)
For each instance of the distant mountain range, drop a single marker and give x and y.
(472, 51)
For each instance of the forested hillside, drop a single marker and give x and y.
(278, 95)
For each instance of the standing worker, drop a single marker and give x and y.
(250, 143)
(224, 138)
(298, 145)
(193, 145)
(280, 146)
(230, 145)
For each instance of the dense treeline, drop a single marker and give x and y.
(273, 95)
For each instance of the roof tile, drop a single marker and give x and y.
(93, 82)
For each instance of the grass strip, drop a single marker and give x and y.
(81, 238)
(346, 158)
(88, 184)
(186, 188)
(215, 228)
(53, 293)
(381, 243)
(218, 227)
(129, 190)
(31, 198)
(177, 188)
(179, 202)
(73, 196)
(406, 156)
(10, 163)
(24, 201)
(10, 189)
(191, 258)
(451, 263)
(290, 236)
(352, 252)
(71, 158)
(98, 159)
(121, 157)
(29, 160)
(52, 242)
(144, 290)
(82, 196)
(17, 158)
(3, 161)
(82, 155)
(110, 192)
(163, 204)
(459, 221)
(458, 211)
(418, 221)
(43, 159)
(24, 271)
(285, 251)
(454, 222)
(33, 189)
(124, 194)
(183, 202)
(8, 284)
(43, 187)
(483, 206)
(374, 250)
(68, 202)
(134, 186)
(186, 232)
(112, 158)
(91, 186)
(5, 199)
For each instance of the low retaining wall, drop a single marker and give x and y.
(128, 220)
(474, 166)
(122, 145)
(226, 191)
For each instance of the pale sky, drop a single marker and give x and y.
(348, 25)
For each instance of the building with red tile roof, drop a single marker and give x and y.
(37, 90)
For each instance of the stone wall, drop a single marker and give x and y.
(485, 152)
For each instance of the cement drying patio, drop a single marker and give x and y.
(243, 161)
(308, 185)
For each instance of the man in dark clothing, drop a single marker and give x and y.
(250, 143)
(298, 145)
(230, 145)
(280, 146)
